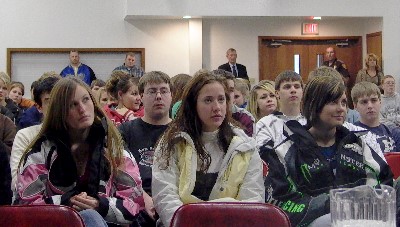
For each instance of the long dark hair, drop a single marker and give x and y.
(188, 121)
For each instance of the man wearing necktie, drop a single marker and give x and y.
(238, 70)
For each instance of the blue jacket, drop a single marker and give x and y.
(30, 117)
(85, 73)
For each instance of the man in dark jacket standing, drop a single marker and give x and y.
(238, 70)
(337, 64)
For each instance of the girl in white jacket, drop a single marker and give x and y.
(201, 156)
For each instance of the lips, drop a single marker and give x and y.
(159, 105)
(84, 118)
(217, 117)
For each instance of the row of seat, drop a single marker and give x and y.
(189, 215)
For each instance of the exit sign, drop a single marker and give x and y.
(310, 29)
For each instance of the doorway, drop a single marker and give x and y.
(277, 53)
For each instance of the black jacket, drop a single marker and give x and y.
(242, 72)
(300, 176)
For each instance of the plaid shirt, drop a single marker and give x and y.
(134, 71)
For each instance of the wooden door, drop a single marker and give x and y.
(374, 45)
(274, 59)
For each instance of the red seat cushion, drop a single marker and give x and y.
(39, 215)
(229, 214)
(393, 160)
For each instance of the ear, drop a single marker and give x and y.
(40, 108)
(277, 94)
(119, 94)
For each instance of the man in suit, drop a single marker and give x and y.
(238, 70)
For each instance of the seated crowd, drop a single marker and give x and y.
(131, 150)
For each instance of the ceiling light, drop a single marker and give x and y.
(187, 17)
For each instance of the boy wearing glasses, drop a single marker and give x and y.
(141, 134)
(390, 100)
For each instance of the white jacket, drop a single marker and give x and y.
(22, 140)
(165, 183)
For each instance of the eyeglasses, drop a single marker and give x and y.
(154, 92)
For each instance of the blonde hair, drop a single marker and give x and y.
(252, 107)
(375, 58)
(5, 78)
(364, 88)
(55, 121)
(243, 86)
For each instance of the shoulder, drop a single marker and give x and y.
(119, 67)
(85, 66)
(242, 114)
(6, 120)
(224, 66)
(27, 135)
(241, 142)
(131, 125)
(240, 65)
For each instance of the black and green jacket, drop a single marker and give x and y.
(300, 177)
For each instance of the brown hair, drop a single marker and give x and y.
(188, 121)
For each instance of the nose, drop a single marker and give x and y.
(158, 95)
(81, 108)
(342, 107)
(216, 106)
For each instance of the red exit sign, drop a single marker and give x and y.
(310, 29)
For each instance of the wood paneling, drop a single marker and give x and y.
(374, 45)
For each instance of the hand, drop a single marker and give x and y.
(149, 206)
(83, 201)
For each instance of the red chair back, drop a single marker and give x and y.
(393, 159)
(39, 215)
(229, 214)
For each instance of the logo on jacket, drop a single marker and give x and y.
(354, 147)
(305, 168)
(146, 156)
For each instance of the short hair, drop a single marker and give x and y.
(387, 76)
(74, 51)
(120, 81)
(230, 50)
(179, 82)
(153, 77)
(130, 54)
(20, 85)
(375, 58)
(252, 106)
(318, 92)
(324, 71)
(97, 82)
(364, 88)
(287, 75)
(333, 48)
(243, 86)
(50, 74)
(5, 78)
(43, 86)
(223, 73)
(33, 84)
